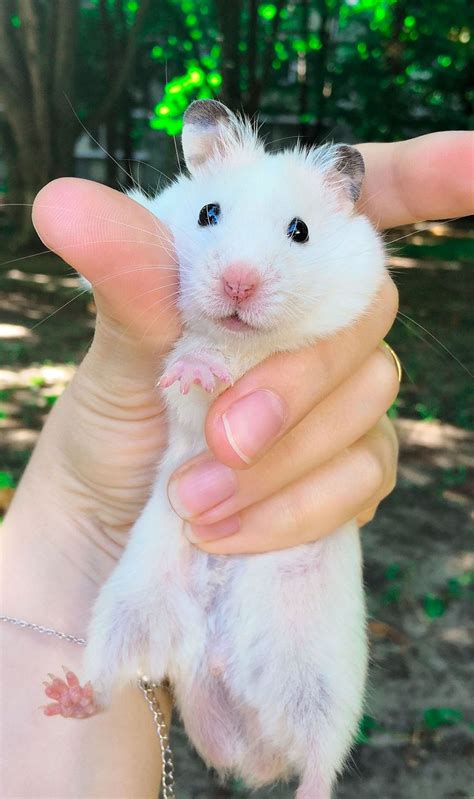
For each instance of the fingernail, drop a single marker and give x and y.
(201, 487)
(252, 422)
(197, 533)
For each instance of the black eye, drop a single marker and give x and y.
(298, 231)
(209, 215)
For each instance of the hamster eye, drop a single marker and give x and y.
(209, 214)
(298, 230)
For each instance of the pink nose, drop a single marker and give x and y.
(240, 281)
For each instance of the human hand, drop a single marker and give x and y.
(337, 457)
(120, 248)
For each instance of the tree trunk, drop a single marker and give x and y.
(229, 14)
(303, 76)
(253, 88)
(259, 80)
(37, 67)
(319, 64)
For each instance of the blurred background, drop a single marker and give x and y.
(97, 89)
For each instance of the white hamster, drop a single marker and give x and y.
(266, 654)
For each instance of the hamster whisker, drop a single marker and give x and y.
(362, 206)
(172, 296)
(419, 335)
(162, 310)
(80, 244)
(153, 290)
(150, 166)
(409, 320)
(428, 227)
(94, 285)
(114, 221)
(96, 142)
(57, 310)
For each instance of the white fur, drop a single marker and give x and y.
(267, 653)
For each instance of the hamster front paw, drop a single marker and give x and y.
(71, 700)
(201, 370)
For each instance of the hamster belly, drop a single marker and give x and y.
(280, 680)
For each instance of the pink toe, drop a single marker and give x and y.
(88, 690)
(52, 710)
(71, 678)
(75, 694)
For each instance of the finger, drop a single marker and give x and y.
(310, 508)
(430, 177)
(208, 491)
(274, 396)
(122, 248)
(386, 428)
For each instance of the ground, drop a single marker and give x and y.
(417, 737)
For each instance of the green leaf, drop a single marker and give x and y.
(435, 717)
(37, 380)
(367, 725)
(393, 571)
(434, 606)
(392, 595)
(454, 587)
(6, 480)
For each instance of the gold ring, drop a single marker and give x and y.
(396, 359)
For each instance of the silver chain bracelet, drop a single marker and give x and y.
(148, 690)
(167, 767)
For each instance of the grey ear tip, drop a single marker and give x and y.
(351, 156)
(205, 112)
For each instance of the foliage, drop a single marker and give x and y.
(6, 480)
(435, 717)
(367, 726)
(326, 67)
(434, 605)
(329, 62)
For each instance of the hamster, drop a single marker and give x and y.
(266, 654)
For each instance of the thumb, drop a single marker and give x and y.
(122, 249)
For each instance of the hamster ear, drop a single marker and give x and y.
(205, 125)
(345, 166)
(210, 130)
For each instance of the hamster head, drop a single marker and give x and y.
(269, 244)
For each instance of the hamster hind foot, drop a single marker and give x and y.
(71, 699)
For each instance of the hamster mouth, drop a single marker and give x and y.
(235, 323)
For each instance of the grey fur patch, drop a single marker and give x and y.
(350, 163)
(204, 124)
(206, 113)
